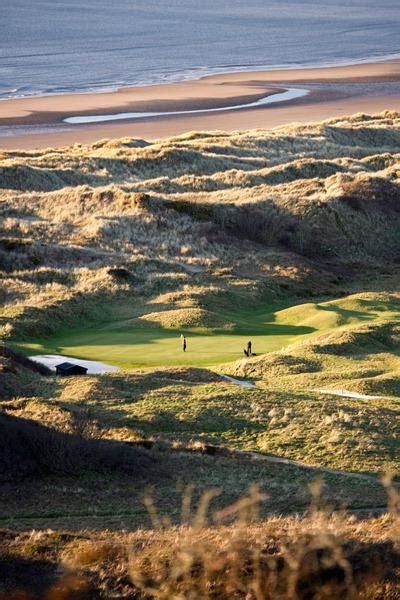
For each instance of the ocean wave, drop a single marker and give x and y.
(176, 76)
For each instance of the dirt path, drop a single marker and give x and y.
(348, 394)
(378, 509)
(301, 465)
(246, 384)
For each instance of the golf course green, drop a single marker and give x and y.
(134, 343)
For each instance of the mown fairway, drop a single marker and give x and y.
(155, 348)
(139, 343)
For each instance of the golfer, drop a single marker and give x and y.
(184, 343)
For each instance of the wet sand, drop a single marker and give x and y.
(38, 122)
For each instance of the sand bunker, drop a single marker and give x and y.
(52, 360)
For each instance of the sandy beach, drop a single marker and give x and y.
(38, 122)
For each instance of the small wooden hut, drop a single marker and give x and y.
(67, 368)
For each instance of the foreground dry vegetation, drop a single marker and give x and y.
(318, 556)
(292, 233)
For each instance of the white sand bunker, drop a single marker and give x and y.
(347, 394)
(93, 367)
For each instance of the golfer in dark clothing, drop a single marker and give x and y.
(184, 343)
(249, 350)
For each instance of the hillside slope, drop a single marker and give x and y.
(300, 211)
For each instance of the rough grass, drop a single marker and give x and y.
(362, 358)
(318, 556)
(301, 210)
(286, 415)
(187, 419)
(64, 476)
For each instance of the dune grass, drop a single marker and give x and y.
(323, 556)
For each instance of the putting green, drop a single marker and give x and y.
(125, 344)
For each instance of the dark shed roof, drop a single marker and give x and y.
(67, 368)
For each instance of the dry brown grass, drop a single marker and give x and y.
(318, 556)
(304, 209)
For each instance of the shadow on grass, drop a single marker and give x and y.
(345, 314)
(165, 423)
(29, 449)
(20, 575)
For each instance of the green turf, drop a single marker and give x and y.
(126, 344)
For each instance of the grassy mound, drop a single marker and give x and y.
(191, 375)
(186, 318)
(273, 365)
(375, 337)
(285, 415)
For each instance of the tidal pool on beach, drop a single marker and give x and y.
(290, 94)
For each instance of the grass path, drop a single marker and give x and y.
(301, 465)
(374, 509)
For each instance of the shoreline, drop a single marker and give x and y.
(211, 102)
(195, 74)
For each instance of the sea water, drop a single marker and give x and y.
(62, 46)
